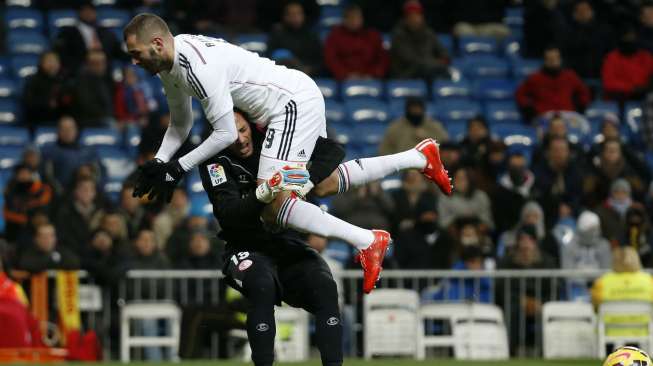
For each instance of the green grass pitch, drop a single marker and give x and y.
(376, 362)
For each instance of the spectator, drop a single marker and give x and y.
(32, 160)
(613, 212)
(626, 281)
(132, 211)
(544, 24)
(466, 202)
(46, 254)
(531, 215)
(416, 51)
(354, 51)
(73, 43)
(552, 88)
(419, 240)
(557, 128)
(451, 155)
(646, 26)
(92, 93)
(627, 69)
(130, 104)
(115, 225)
(609, 166)
(43, 92)
(146, 253)
(177, 245)
(104, 260)
(365, 206)
(79, 217)
(24, 195)
(588, 249)
(514, 188)
(470, 233)
(639, 234)
(479, 18)
(66, 155)
(200, 254)
(557, 181)
(271, 12)
(587, 41)
(294, 35)
(172, 215)
(476, 142)
(406, 132)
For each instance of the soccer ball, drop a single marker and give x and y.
(628, 356)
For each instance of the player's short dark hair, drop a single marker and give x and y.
(145, 23)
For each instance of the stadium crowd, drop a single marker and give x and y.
(564, 194)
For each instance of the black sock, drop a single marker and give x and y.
(261, 327)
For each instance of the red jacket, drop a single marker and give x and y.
(621, 74)
(544, 93)
(359, 52)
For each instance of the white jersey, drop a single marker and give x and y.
(221, 75)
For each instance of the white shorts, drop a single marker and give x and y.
(291, 135)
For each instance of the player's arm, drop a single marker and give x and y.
(181, 121)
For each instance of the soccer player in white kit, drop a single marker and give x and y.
(285, 101)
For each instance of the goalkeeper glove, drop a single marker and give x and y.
(145, 177)
(286, 179)
(166, 178)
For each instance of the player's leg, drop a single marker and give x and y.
(254, 275)
(308, 284)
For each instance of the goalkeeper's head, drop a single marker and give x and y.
(628, 356)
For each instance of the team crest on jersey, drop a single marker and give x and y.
(216, 173)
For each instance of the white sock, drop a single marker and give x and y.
(358, 172)
(303, 216)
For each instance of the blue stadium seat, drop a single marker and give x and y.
(512, 47)
(198, 112)
(328, 87)
(443, 89)
(112, 18)
(253, 42)
(387, 41)
(132, 139)
(45, 136)
(26, 42)
(8, 88)
(14, 136)
(194, 181)
(368, 150)
(112, 188)
(19, 3)
(344, 132)
(512, 133)
(330, 16)
(368, 133)
(9, 112)
(477, 45)
(446, 40)
(335, 111)
(117, 163)
(5, 67)
(502, 112)
(366, 110)
(483, 66)
(632, 124)
(514, 17)
(402, 88)
(100, 137)
(457, 110)
(58, 19)
(105, 3)
(10, 156)
(196, 132)
(494, 89)
(24, 65)
(522, 68)
(23, 18)
(361, 89)
(398, 109)
(598, 109)
(456, 130)
(199, 202)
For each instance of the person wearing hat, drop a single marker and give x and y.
(408, 130)
(588, 249)
(416, 51)
(613, 211)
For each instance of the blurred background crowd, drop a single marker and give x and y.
(543, 111)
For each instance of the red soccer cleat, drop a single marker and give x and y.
(434, 169)
(371, 259)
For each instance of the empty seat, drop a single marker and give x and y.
(344, 132)
(483, 66)
(117, 164)
(502, 111)
(477, 45)
(596, 111)
(366, 110)
(24, 65)
(362, 89)
(10, 156)
(58, 19)
(194, 181)
(13, 136)
(512, 47)
(26, 42)
(253, 42)
(8, 88)
(199, 202)
(457, 110)
(100, 136)
(9, 112)
(456, 130)
(112, 18)
(569, 330)
(522, 68)
(328, 87)
(5, 67)
(514, 17)
(335, 112)
(402, 88)
(330, 16)
(446, 40)
(494, 89)
(23, 18)
(451, 89)
(512, 133)
(44, 136)
(368, 133)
